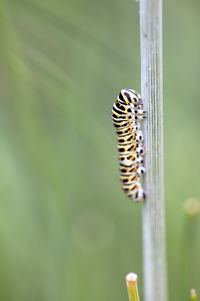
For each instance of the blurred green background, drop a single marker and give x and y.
(67, 232)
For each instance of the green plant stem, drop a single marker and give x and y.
(193, 295)
(131, 282)
(154, 261)
(187, 250)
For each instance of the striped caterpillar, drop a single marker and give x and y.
(127, 111)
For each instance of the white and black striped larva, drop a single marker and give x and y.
(127, 111)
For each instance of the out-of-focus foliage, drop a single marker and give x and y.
(67, 232)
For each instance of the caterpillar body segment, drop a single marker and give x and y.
(127, 130)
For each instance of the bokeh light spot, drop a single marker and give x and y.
(192, 206)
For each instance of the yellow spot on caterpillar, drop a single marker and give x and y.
(136, 187)
(133, 157)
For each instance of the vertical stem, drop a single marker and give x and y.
(193, 295)
(131, 282)
(155, 284)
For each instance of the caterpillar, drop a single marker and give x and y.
(127, 111)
